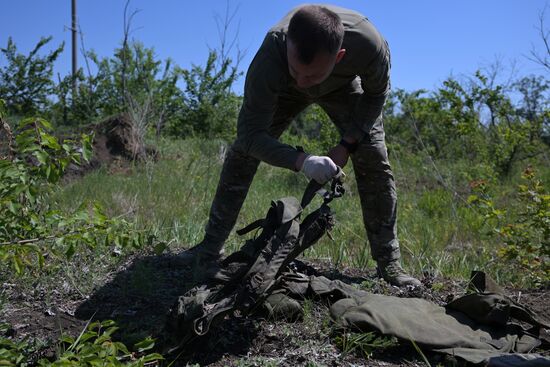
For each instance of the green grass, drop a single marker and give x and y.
(439, 232)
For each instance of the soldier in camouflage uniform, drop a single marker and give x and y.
(333, 57)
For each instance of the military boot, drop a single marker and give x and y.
(393, 273)
(204, 252)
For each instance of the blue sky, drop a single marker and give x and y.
(429, 39)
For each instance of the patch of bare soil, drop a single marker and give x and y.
(139, 294)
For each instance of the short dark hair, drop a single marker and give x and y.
(314, 28)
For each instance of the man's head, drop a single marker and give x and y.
(314, 43)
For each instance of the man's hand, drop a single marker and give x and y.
(339, 155)
(319, 168)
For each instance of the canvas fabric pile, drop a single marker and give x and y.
(484, 327)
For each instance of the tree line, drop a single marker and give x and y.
(476, 118)
(173, 101)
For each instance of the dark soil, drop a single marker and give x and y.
(140, 293)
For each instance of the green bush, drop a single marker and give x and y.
(30, 225)
(132, 80)
(522, 229)
(93, 347)
(210, 107)
(13, 353)
(526, 242)
(477, 120)
(26, 81)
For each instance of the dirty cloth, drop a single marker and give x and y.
(477, 327)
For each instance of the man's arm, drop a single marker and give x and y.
(264, 80)
(375, 81)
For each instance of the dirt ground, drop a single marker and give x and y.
(140, 292)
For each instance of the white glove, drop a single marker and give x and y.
(319, 168)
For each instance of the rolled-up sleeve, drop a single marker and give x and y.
(262, 86)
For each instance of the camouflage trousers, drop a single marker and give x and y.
(373, 173)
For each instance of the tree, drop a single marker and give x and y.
(478, 120)
(210, 107)
(535, 106)
(543, 58)
(133, 81)
(26, 81)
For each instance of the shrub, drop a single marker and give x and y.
(211, 108)
(26, 81)
(522, 229)
(30, 226)
(93, 347)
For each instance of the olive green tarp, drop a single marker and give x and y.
(481, 327)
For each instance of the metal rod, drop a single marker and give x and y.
(74, 50)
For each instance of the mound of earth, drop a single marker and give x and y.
(117, 138)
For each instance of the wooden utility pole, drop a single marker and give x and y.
(74, 51)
